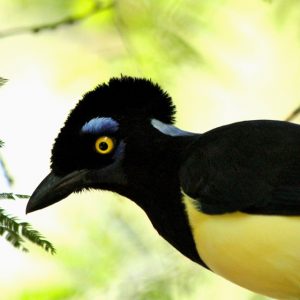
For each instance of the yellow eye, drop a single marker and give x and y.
(104, 145)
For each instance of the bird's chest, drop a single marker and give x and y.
(260, 253)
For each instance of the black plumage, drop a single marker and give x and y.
(251, 166)
(179, 179)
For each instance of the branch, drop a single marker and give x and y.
(12, 196)
(294, 114)
(3, 168)
(69, 20)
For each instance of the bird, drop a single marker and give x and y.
(228, 199)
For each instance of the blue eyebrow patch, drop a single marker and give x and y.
(100, 125)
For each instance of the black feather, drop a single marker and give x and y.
(125, 97)
(251, 166)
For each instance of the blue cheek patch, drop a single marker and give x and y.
(100, 125)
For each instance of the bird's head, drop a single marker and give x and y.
(113, 139)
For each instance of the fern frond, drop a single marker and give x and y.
(14, 232)
(35, 237)
(13, 238)
(8, 221)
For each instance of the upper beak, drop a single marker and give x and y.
(54, 188)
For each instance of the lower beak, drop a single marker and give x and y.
(55, 188)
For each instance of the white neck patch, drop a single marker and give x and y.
(168, 129)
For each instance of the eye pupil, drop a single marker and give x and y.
(103, 146)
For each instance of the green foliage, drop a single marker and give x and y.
(15, 232)
(46, 293)
(2, 81)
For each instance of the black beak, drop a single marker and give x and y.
(54, 188)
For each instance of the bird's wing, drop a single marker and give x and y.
(249, 166)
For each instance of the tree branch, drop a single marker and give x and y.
(69, 20)
(294, 114)
(12, 196)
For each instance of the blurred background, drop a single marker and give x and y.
(221, 60)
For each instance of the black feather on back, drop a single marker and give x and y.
(250, 166)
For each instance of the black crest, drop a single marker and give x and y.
(125, 97)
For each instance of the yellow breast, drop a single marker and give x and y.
(260, 253)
